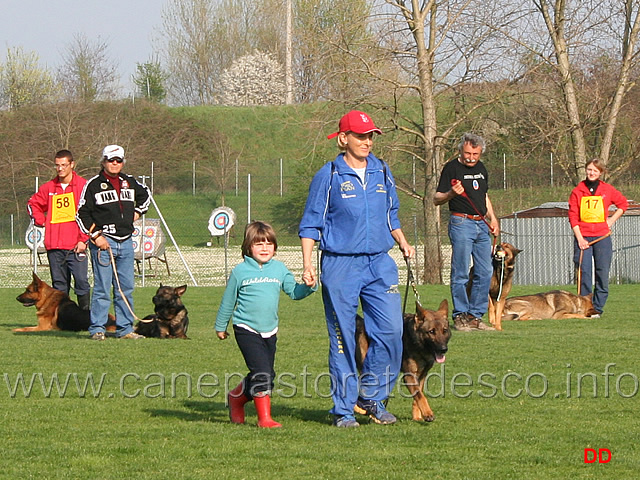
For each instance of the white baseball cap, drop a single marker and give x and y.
(112, 151)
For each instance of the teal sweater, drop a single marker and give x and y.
(253, 293)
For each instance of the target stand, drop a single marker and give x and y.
(151, 241)
(36, 233)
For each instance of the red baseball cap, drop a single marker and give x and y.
(356, 122)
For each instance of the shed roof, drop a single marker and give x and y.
(561, 209)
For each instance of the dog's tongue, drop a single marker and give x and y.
(439, 358)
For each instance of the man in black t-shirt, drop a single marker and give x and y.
(464, 183)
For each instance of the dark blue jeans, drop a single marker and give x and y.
(104, 282)
(470, 239)
(601, 254)
(66, 263)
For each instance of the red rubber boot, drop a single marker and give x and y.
(236, 400)
(263, 409)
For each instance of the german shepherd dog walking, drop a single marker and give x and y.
(425, 340)
(171, 319)
(556, 304)
(55, 310)
(504, 262)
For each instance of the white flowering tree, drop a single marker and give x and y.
(255, 79)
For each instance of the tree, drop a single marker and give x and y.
(191, 44)
(256, 79)
(23, 81)
(87, 73)
(442, 51)
(150, 80)
(588, 57)
(332, 38)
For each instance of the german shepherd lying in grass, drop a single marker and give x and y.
(55, 310)
(171, 318)
(425, 340)
(556, 304)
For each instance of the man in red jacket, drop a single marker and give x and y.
(54, 206)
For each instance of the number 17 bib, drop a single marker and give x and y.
(592, 209)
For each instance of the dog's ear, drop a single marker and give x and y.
(516, 251)
(444, 307)
(161, 285)
(180, 290)
(36, 281)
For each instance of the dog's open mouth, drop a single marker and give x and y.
(440, 358)
(28, 303)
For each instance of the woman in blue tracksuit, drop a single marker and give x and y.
(352, 209)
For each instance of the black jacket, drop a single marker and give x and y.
(100, 211)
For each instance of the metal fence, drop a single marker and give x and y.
(547, 248)
(208, 266)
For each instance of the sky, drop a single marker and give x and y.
(47, 27)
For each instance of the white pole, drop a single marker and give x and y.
(504, 171)
(281, 177)
(249, 198)
(151, 177)
(552, 169)
(288, 55)
(193, 181)
(173, 240)
(12, 229)
(236, 177)
(35, 239)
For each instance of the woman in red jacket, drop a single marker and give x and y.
(589, 217)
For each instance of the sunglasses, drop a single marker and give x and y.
(115, 159)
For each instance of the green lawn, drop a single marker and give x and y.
(522, 404)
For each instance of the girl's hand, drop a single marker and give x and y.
(222, 335)
(309, 276)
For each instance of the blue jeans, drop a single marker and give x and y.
(470, 239)
(65, 263)
(104, 280)
(601, 252)
(372, 281)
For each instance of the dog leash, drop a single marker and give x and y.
(410, 280)
(502, 256)
(582, 253)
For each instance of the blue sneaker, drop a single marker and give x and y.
(345, 421)
(376, 411)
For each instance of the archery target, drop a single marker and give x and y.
(221, 220)
(36, 233)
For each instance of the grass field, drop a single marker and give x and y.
(524, 403)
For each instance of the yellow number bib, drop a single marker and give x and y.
(63, 208)
(592, 209)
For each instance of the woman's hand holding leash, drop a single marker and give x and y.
(222, 335)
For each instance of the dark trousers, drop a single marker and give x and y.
(601, 253)
(259, 355)
(65, 263)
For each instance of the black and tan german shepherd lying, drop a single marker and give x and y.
(171, 319)
(55, 310)
(556, 304)
(425, 340)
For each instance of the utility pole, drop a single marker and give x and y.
(288, 65)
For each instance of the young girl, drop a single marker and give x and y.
(251, 301)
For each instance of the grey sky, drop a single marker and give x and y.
(47, 27)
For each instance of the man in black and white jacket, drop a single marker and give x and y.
(110, 203)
